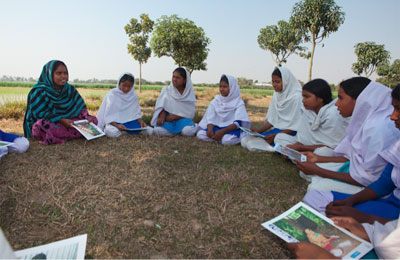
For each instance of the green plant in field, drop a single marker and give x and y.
(13, 110)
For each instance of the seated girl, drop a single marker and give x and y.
(321, 127)
(370, 132)
(380, 201)
(53, 106)
(120, 110)
(224, 115)
(20, 143)
(385, 240)
(283, 111)
(175, 107)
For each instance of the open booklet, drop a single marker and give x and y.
(71, 248)
(88, 130)
(250, 132)
(4, 143)
(292, 154)
(303, 223)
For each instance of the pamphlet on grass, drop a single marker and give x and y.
(71, 248)
(292, 154)
(4, 143)
(88, 130)
(250, 132)
(303, 223)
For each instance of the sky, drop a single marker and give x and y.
(89, 36)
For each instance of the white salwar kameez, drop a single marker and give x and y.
(224, 111)
(370, 132)
(175, 103)
(283, 111)
(119, 107)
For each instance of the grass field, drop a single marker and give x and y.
(148, 197)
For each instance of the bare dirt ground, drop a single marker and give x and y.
(148, 197)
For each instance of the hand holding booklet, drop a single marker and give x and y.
(292, 154)
(88, 129)
(303, 223)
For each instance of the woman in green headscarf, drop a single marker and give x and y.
(53, 105)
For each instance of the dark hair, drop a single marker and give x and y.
(56, 65)
(181, 72)
(396, 93)
(354, 86)
(127, 77)
(224, 78)
(319, 88)
(277, 72)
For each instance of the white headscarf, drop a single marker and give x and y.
(175, 103)
(370, 132)
(392, 155)
(118, 106)
(327, 127)
(284, 109)
(223, 111)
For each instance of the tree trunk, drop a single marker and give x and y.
(140, 77)
(311, 58)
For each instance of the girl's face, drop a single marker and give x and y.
(396, 112)
(311, 101)
(60, 76)
(345, 103)
(178, 81)
(126, 86)
(224, 88)
(277, 83)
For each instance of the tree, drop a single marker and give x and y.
(316, 19)
(138, 36)
(390, 73)
(281, 40)
(369, 56)
(182, 40)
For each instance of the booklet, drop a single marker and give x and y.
(303, 223)
(250, 132)
(88, 130)
(292, 154)
(4, 143)
(71, 248)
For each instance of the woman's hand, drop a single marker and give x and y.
(308, 168)
(120, 127)
(296, 146)
(351, 225)
(311, 157)
(270, 138)
(142, 123)
(210, 133)
(254, 129)
(66, 122)
(218, 135)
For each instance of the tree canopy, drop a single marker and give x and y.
(182, 40)
(390, 74)
(138, 33)
(281, 40)
(316, 19)
(369, 56)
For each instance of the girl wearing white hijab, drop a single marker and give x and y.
(224, 115)
(175, 107)
(321, 127)
(283, 112)
(370, 132)
(380, 201)
(120, 109)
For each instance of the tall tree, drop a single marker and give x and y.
(182, 40)
(281, 40)
(138, 33)
(316, 19)
(390, 74)
(369, 56)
